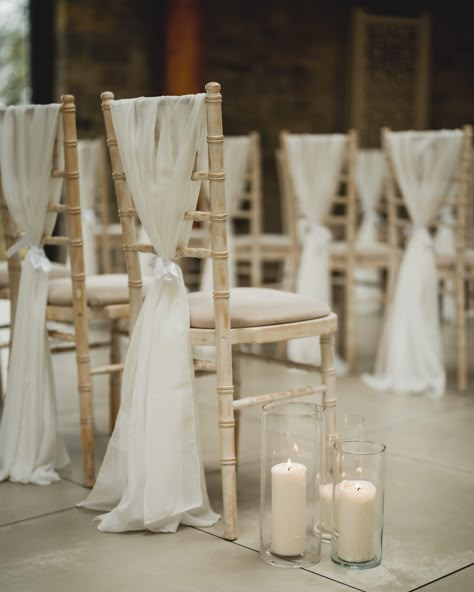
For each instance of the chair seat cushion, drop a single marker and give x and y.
(268, 241)
(447, 260)
(58, 270)
(339, 248)
(102, 290)
(255, 307)
(114, 229)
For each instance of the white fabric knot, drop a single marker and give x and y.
(322, 233)
(163, 268)
(447, 216)
(422, 234)
(37, 255)
(38, 259)
(89, 216)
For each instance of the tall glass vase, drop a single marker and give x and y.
(291, 465)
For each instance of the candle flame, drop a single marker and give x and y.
(295, 448)
(359, 470)
(289, 463)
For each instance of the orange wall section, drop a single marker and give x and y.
(183, 53)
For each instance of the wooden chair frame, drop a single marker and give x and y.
(223, 336)
(456, 268)
(78, 311)
(343, 220)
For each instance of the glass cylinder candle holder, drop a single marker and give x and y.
(358, 503)
(292, 455)
(349, 427)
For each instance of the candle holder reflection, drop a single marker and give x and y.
(349, 427)
(292, 453)
(358, 498)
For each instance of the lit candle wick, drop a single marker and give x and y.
(359, 488)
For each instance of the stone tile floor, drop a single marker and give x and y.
(46, 543)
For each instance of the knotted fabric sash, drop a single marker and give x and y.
(152, 476)
(315, 163)
(30, 446)
(409, 359)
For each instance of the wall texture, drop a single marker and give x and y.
(106, 45)
(283, 64)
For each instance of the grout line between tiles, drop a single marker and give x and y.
(425, 461)
(38, 516)
(442, 577)
(333, 580)
(255, 551)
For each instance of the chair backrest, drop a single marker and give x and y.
(248, 205)
(342, 217)
(455, 199)
(95, 196)
(217, 217)
(242, 160)
(64, 165)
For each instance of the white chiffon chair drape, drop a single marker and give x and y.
(152, 475)
(315, 163)
(30, 445)
(236, 161)
(409, 358)
(369, 181)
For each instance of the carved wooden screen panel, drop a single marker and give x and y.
(390, 66)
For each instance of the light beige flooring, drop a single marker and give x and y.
(47, 544)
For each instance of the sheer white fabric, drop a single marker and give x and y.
(152, 477)
(30, 445)
(369, 179)
(409, 359)
(89, 158)
(315, 163)
(236, 160)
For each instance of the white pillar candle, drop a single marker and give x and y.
(288, 508)
(355, 520)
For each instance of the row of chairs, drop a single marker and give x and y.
(365, 213)
(164, 198)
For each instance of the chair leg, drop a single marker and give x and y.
(236, 375)
(115, 379)
(328, 375)
(461, 344)
(349, 318)
(85, 410)
(228, 461)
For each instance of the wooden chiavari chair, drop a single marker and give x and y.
(455, 268)
(80, 300)
(342, 222)
(243, 315)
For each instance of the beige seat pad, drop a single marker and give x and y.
(114, 229)
(445, 260)
(102, 290)
(339, 248)
(254, 307)
(58, 270)
(264, 240)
